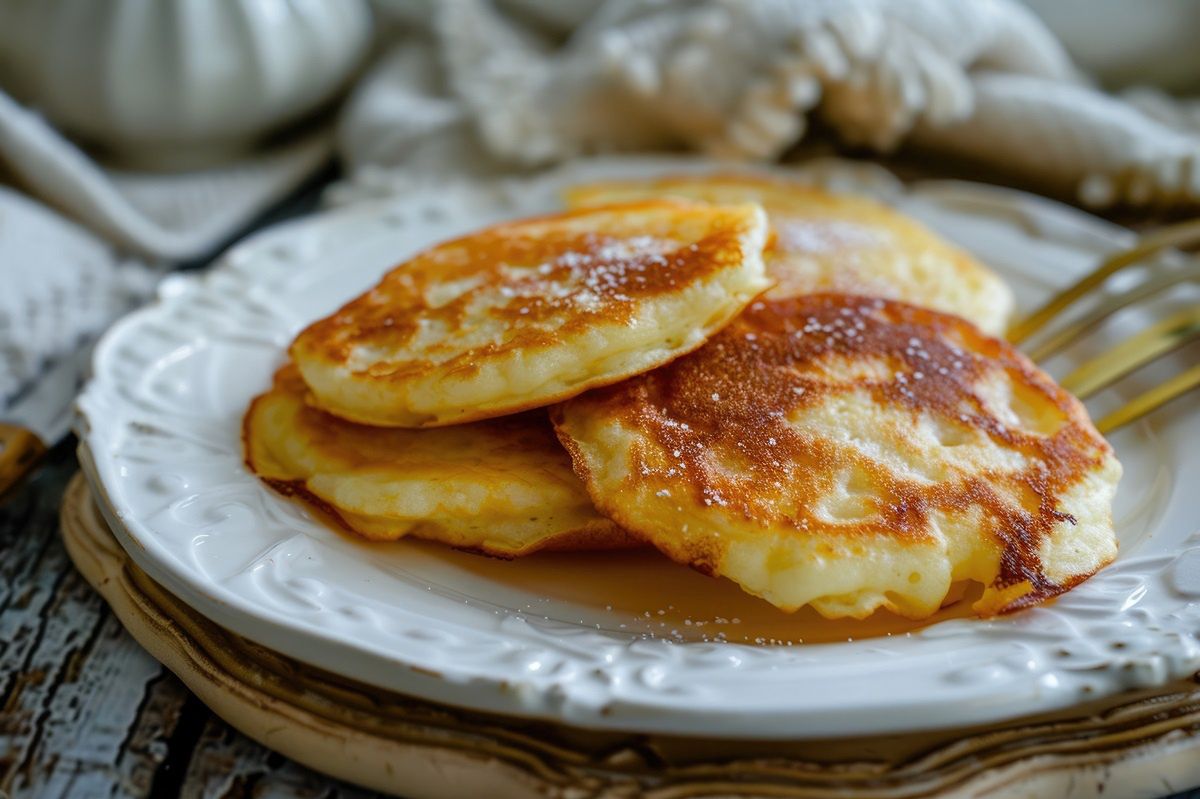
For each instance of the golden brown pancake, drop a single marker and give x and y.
(822, 241)
(503, 487)
(851, 454)
(522, 314)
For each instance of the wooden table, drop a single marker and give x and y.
(84, 711)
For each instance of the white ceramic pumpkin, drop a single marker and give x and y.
(171, 81)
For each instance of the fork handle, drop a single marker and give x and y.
(20, 451)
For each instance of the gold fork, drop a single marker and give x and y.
(1166, 335)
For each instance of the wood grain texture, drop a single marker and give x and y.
(59, 651)
(84, 710)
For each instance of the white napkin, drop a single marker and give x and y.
(62, 282)
(479, 87)
(160, 215)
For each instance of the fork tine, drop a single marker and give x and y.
(1142, 404)
(1182, 234)
(1067, 334)
(1160, 338)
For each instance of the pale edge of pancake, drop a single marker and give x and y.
(483, 506)
(969, 289)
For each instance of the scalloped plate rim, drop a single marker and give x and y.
(496, 689)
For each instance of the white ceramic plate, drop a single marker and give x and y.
(624, 640)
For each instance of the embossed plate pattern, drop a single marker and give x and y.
(159, 430)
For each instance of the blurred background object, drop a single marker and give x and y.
(1123, 44)
(485, 87)
(58, 279)
(175, 83)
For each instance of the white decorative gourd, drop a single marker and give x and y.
(172, 81)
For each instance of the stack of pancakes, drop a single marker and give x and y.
(765, 381)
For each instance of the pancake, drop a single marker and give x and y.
(526, 313)
(822, 241)
(854, 454)
(503, 487)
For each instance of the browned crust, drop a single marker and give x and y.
(791, 198)
(546, 400)
(394, 311)
(699, 555)
(731, 397)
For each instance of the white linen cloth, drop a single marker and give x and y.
(483, 86)
(475, 88)
(64, 280)
(60, 284)
(160, 215)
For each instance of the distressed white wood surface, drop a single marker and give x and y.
(84, 711)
